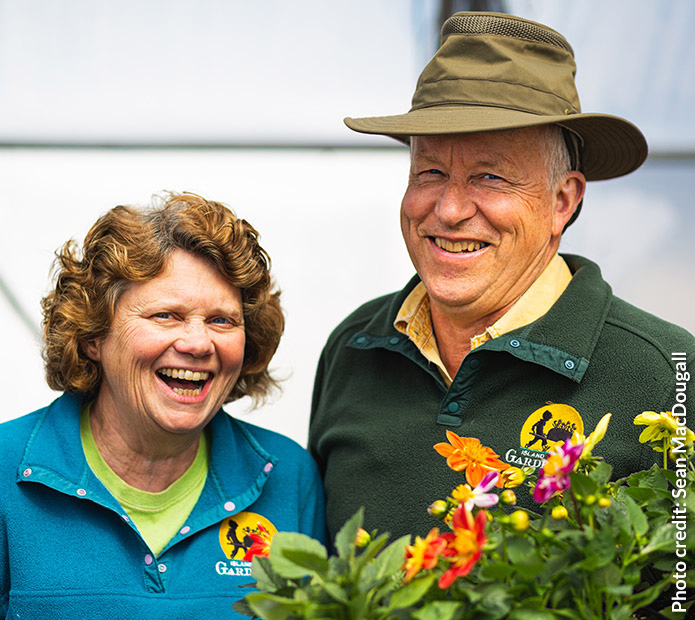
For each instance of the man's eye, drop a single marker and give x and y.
(491, 177)
(162, 315)
(433, 171)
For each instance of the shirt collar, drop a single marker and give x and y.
(414, 318)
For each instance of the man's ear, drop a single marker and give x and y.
(568, 196)
(92, 349)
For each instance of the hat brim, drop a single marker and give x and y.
(612, 146)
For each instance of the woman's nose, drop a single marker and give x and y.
(195, 340)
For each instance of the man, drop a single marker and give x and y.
(498, 338)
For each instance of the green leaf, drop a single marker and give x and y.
(437, 610)
(601, 473)
(639, 494)
(531, 614)
(584, 485)
(391, 559)
(271, 607)
(411, 593)
(336, 592)
(664, 537)
(519, 549)
(634, 513)
(345, 538)
(294, 555)
(266, 577)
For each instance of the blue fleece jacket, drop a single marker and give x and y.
(69, 551)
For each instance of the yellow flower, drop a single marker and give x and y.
(591, 441)
(659, 425)
(423, 554)
(362, 538)
(519, 520)
(512, 477)
(559, 513)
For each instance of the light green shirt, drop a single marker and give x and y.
(158, 516)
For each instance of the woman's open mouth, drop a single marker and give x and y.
(183, 381)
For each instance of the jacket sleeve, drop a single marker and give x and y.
(312, 511)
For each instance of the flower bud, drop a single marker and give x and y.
(508, 497)
(519, 520)
(438, 509)
(559, 513)
(362, 538)
(589, 500)
(604, 502)
(512, 477)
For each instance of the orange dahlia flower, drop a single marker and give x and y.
(469, 455)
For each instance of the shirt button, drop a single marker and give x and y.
(27, 472)
(268, 467)
(361, 340)
(514, 343)
(184, 530)
(474, 363)
(453, 407)
(81, 492)
(229, 506)
(394, 340)
(149, 559)
(569, 364)
(162, 568)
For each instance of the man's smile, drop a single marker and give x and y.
(458, 247)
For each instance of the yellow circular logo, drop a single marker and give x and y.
(552, 424)
(235, 533)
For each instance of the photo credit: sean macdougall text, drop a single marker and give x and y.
(680, 491)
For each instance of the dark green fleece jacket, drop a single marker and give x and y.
(379, 406)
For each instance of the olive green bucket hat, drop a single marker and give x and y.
(496, 72)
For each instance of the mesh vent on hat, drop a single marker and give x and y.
(505, 27)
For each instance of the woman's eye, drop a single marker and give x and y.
(223, 320)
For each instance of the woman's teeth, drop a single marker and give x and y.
(459, 246)
(188, 375)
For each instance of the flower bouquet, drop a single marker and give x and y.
(598, 549)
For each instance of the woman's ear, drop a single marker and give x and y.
(92, 349)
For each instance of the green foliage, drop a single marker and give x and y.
(612, 555)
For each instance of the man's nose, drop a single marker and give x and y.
(195, 340)
(455, 204)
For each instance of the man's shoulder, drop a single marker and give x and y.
(376, 314)
(630, 321)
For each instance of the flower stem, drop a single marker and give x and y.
(666, 442)
(577, 512)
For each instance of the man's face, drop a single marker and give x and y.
(478, 219)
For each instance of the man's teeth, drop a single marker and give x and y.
(459, 246)
(189, 375)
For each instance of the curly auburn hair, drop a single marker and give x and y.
(132, 245)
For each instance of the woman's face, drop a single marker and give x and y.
(174, 350)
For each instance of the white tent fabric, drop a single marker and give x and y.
(275, 73)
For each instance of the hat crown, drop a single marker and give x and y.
(500, 61)
(503, 25)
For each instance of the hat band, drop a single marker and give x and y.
(491, 93)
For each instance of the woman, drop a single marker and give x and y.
(134, 495)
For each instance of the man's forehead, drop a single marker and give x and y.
(507, 145)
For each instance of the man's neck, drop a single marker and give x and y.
(454, 331)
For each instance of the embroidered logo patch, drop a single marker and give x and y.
(545, 428)
(235, 532)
